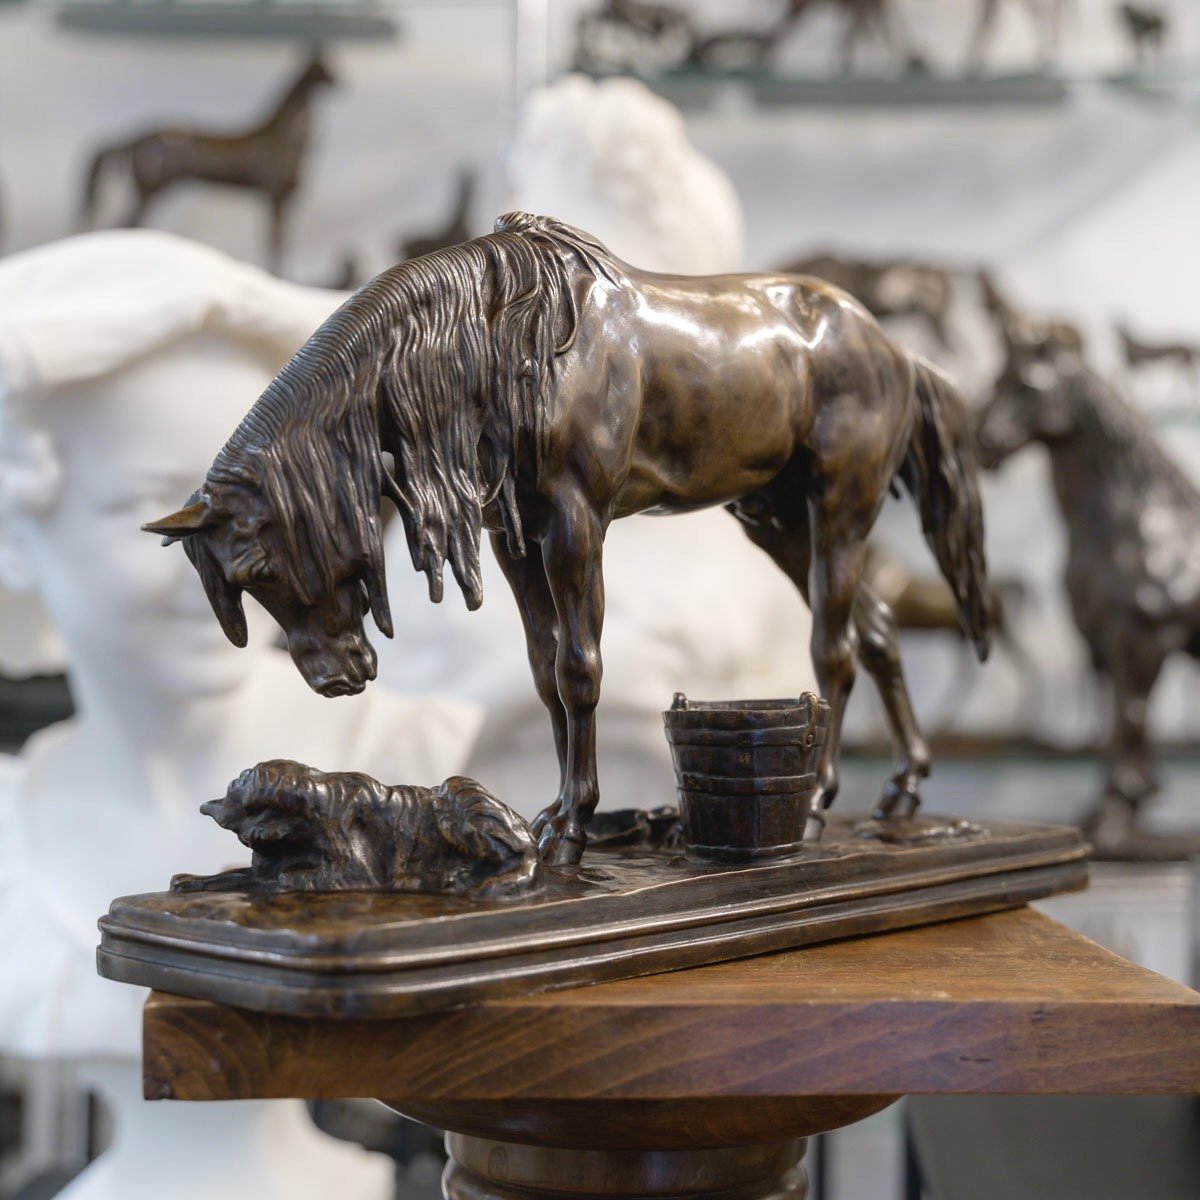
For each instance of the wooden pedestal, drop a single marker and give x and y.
(706, 1082)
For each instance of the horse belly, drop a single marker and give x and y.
(697, 450)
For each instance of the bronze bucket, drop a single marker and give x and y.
(746, 773)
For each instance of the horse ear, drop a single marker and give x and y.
(190, 519)
(225, 597)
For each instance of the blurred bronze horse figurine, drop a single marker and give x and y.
(1133, 547)
(268, 158)
(530, 383)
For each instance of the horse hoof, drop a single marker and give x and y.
(560, 850)
(542, 820)
(896, 801)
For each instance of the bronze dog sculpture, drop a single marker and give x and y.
(268, 157)
(530, 383)
(1133, 546)
(313, 831)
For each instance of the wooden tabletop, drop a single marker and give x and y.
(1013, 1002)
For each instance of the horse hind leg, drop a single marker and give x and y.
(879, 653)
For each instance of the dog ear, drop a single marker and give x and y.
(474, 822)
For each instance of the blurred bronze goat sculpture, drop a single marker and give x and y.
(531, 384)
(1133, 548)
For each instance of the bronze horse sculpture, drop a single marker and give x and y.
(531, 384)
(1133, 547)
(268, 158)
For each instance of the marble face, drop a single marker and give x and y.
(129, 446)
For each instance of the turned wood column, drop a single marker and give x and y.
(482, 1169)
(751, 1149)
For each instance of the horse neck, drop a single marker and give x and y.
(1110, 459)
(293, 104)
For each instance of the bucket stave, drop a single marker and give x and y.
(745, 772)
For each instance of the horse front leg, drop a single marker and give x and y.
(572, 552)
(531, 590)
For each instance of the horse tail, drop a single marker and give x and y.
(939, 471)
(100, 160)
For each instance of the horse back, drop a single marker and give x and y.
(693, 391)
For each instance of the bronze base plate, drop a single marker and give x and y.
(624, 912)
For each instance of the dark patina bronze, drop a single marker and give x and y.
(1133, 553)
(531, 384)
(313, 831)
(268, 157)
(746, 773)
(631, 909)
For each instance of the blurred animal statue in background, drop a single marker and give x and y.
(676, 41)
(456, 229)
(1146, 29)
(628, 34)
(530, 383)
(315, 831)
(1046, 16)
(1019, 330)
(268, 158)
(888, 288)
(925, 604)
(1133, 552)
(1185, 355)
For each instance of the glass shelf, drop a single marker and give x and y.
(691, 87)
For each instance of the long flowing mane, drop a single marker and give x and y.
(447, 363)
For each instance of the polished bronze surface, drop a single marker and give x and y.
(529, 383)
(1133, 554)
(626, 912)
(269, 157)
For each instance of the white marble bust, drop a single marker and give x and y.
(126, 359)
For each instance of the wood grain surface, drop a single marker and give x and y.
(1012, 1002)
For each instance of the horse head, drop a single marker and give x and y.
(317, 72)
(235, 543)
(1031, 401)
